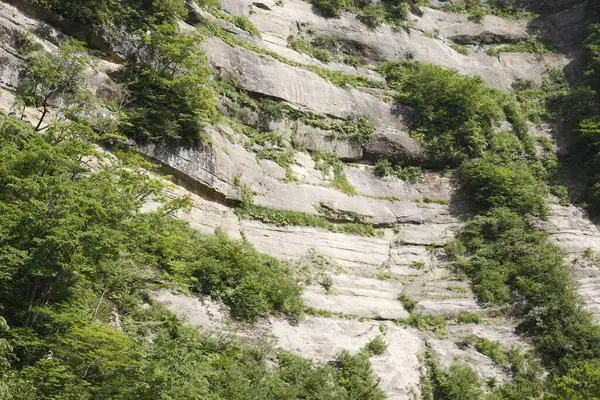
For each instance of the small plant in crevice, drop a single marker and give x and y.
(425, 322)
(464, 50)
(376, 346)
(468, 318)
(408, 302)
(385, 168)
(246, 190)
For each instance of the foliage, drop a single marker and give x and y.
(504, 255)
(170, 100)
(468, 318)
(390, 12)
(424, 322)
(360, 129)
(456, 114)
(296, 218)
(326, 162)
(492, 183)
(241, 21)
(460, 49)
(408, 302)
(477, 10)
(459, 382)
(132, 14)
(582, 382)
(303, 46)
(385, 168)
(51, 79)
(376, 346)
(529, 45)
(491, 349)
(372, 16)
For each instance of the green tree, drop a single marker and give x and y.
(171, 100)
(53, 79)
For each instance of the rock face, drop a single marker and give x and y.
(351, 282)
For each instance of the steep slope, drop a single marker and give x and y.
(290, 169)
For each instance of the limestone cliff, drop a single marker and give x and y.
(352, 281)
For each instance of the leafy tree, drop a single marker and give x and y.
(455, 114)
(581, 383)
(170, 97)
(492, 183)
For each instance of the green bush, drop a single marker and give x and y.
(505, 255)
(456, 114)
(468, 318)
(372, 16)
(384, 168)
(295, 218)
(424, 321)
(491, 350)
(241, 21)
(464, 50)
(170, 100)
(376, 346)
(131, 14)
(530, 45)
(408, 302)
(494, 183)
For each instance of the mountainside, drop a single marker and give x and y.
(368, 199)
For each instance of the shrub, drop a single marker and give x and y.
(408, 302)
(322, 55)
(464, 50)
(250, 283)
(491, 350)
(354, 61)
(468, 318)
(376, 346)
(241, 21)
(384, 168)
(330, 8)
(170, 97)
(460, 382)
(372, 16)
(492, 183)
(530, 45)
(423, 321)
(455, 114)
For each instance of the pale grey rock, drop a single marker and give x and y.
(449, 308)
(295, 17)
(392, 146)
(351, 304)
(204, 313)
(294, 242)
(262, 74)
(570, 228)
(432, 185)
(426, 234)
(446, 353)
(322, 338)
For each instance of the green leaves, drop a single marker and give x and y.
(493, 183)
(170, 97)
(455, 115)
(53, 78)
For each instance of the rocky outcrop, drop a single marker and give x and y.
(351, 282)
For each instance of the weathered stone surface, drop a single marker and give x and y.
(569, 228)
(323, 338)
(432, 186)
(351, 304)
(262, 74)
(294, 242)
(203, 313)
(384, 43)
